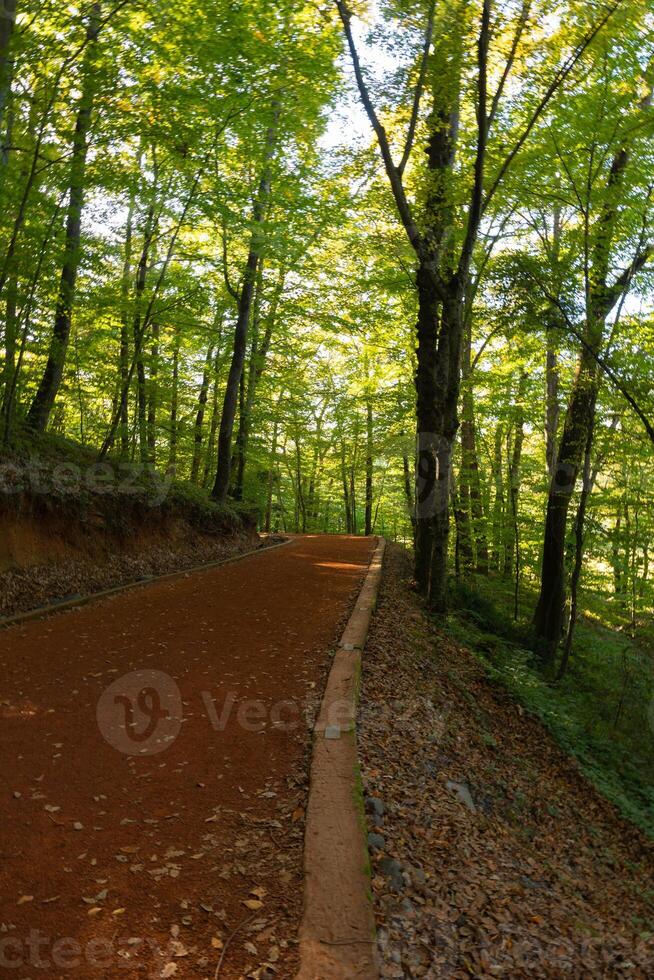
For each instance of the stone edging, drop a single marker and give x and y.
(337, 934)
(44, 611)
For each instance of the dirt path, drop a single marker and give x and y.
(144, 819)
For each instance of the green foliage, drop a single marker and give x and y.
(600, 713)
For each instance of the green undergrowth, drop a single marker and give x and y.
(601, 712)
(48, 474)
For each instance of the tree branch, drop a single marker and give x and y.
(561, 75)
(522, 23)
(476, 200)
(420, 84)
(234, 293)
(394, 177)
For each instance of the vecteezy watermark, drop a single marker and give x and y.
(39, 951)
(141, 712)
(68, 479)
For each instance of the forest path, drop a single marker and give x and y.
(145, 818)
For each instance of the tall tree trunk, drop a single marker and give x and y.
(123, 361)
(137, 330)
(469, 480)
(600, 300)
(440, 329)
(616, 540)
(153, 395)
(271, 474)
(246, 391)
(369, 461)
(203, 397)
(41, 407)
(499, 500)
(259, 353)
(548, 618)
(230, 401)
(11, 344)
(579, 551)
(7, 24)
(552, 407)
(346, 491)
(174, 407)
(514, 487)
(409, 492)
(213, 425)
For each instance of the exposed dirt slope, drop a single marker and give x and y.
(51, 547)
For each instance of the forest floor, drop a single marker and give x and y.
(492, 854)
(120, 859)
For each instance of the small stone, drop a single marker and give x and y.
(376, 842)
(392, 870)
(375, 808)
(418, 876)
(333, 731)
(462, 790)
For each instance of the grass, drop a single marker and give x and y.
(601, 712)
(50, 473)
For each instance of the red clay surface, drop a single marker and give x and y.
(145, 864)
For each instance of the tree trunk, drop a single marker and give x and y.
(271, 476)
(257, 365)
(499, 503)
(552, 408)
(369, 462)
(203, 397)
(137, 330)
(579, 550)
(153, 396)
(548, 618)
(469, 480)
(123, 363)
(514, 487)
(409, 492)
(213, 425)
(41, 407)
(440, 328)
(230, 401)
(174, 408)
(7, 24)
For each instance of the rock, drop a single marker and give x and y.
(462, 790)
(392, 870)
(376, 842)
(418, 876)
(375, 808)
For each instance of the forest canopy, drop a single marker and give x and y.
(260, 247)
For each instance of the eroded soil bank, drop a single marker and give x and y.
(53, 548)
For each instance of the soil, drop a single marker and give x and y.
(153, 826)
(493, 856)
(41, 562)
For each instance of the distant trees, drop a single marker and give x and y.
(203, 269)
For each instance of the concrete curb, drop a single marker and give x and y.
(337, 933)
(56, 607)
